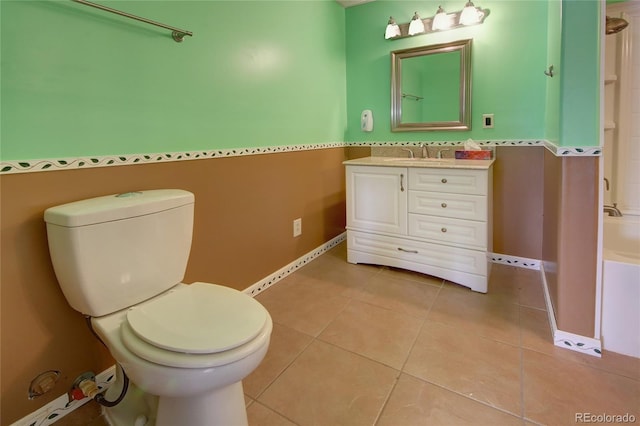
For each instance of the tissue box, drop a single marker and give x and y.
(473, 155)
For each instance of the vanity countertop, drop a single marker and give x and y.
(436, 163)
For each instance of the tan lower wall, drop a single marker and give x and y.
(518, 201)
(551, 223)
(570, 241)
(243, 232)
(577, 252)
(244, 211)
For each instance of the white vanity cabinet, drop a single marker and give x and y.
(429, 217)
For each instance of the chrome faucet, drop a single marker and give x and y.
(440, 151)
(409, 151)
(612, 210)
(425, 151)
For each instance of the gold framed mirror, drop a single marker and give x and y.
(431, 87)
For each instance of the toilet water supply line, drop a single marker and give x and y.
(89, 388)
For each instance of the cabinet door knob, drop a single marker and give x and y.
(443, 180)
(401, 182)
(443, 229)
(444, 205)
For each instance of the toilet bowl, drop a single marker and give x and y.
(183, 349)
(164, 348)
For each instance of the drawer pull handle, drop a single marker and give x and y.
(443, 180)
(444, 205)
(443, 229)
(401, 182)
(408, 251)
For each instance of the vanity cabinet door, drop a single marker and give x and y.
(377, 199)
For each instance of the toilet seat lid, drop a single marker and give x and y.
(199, 318)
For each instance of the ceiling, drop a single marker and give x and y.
(349, 3)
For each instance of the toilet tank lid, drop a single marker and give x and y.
(116, 207)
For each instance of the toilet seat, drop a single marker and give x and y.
(198, 325)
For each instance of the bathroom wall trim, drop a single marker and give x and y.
(576, 151)
(520, 262)
(70, 163)
(60, 407)
(564, 339)
(303, 260)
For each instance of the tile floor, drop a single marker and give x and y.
(367, 345)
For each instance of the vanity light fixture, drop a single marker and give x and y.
(416, 26)
(441, 21)
(393, 30)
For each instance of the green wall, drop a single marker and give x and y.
(79, 81)
(508, 59)
(554, 44)
(580, 73)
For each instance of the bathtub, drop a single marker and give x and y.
(621, 285)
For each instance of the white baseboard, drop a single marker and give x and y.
(281, 273)
(60, 407)
(564, 339)
(521, 262)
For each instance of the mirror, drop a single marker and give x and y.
(431, 87)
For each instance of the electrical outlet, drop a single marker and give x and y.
(297, 227)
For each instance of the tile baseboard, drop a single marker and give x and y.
(60, 407)
(281, 273)
(520, 262)
(565, 339)
(562, 339)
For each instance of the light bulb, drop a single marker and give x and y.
(416, 26)
(441, 20)
(393, 30)
(469, 14)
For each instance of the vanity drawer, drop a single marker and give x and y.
(437, 255)
(457, 181)
(460, 206)
(472, 234)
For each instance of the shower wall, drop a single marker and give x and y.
(622, 111)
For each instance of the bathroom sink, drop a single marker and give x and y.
(419, 160)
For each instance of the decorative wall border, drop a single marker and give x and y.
(568, 151)
(71, 163)
(303, 260)
(60, 407)
(515, 142)
(26, 166)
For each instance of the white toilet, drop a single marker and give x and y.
(185, 349)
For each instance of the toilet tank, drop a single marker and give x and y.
(112, 252)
